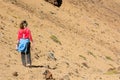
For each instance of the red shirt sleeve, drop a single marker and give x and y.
(30, 36)
(18, 37)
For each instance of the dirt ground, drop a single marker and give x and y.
(83, 35)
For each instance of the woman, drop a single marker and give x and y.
(24, 34)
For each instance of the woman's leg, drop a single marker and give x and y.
(23, 58)
(29, 58)
(28, 55)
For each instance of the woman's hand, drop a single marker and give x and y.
(31, 45)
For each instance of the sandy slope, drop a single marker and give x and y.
(88, 30)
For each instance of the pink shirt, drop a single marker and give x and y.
(25, 33)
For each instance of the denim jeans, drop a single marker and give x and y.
(26, 57)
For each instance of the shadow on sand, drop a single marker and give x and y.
(41, 66)
(34, 66)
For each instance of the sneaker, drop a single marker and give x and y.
(28, 65)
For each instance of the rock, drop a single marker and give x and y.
(55, 2)
(48, 75)
(51, 56)
(2, 28)
(84, 64)
(111, 69)
(15, 74)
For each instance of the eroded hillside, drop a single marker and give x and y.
(82, 34)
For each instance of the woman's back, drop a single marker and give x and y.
(21, 34)
(28, 34)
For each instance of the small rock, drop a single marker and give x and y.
(100, 78)
(51, 56)
(48, 75)
(84, 64)
(37, 56)
(111, 69)
(66, 77)
(2, 28)
(15, 74)
(12, 21)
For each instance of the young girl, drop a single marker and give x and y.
(25, 34)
